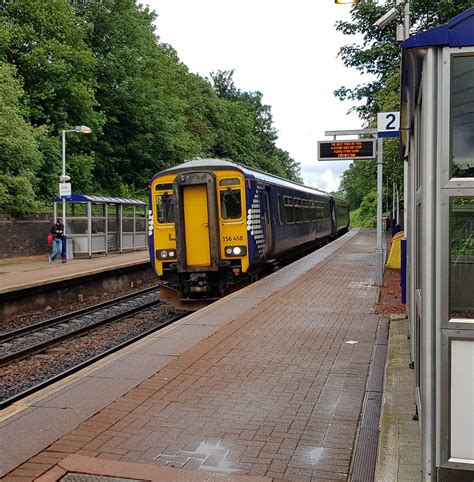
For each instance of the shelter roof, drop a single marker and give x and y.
(84, 198)
(457, 32)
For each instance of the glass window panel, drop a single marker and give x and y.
(231, 205)
(462, 257)
(98, 209)
(127, 210)
(77, 226)
(127, 225)
(462, 117)
(165, 205)
(112, 225)
(98, 226)
(140, 225)
(74, 209)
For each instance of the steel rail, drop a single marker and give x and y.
(10, 335)
(20, 395)
(44, 345)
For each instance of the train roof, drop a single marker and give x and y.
(248, 171)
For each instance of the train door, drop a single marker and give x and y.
(265, 222)
(196, 225)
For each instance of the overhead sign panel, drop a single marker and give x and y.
(346, 150)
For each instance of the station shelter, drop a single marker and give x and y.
(437, 131)
(100, 224)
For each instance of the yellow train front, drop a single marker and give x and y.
(198, 230)
(214, 223)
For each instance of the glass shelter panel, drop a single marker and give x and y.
(462, 117)
(462, 257)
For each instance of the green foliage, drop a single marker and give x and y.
(365, 215)
(16, 194)
(19, 152)
(100, 63)
(378, 54)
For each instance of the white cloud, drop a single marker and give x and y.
(286, 51)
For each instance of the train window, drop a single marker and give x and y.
(165, 205)
(298, 210)
(229, 182)
(312, 210)
(320, 210)
(280, 220)
(231, 205)
(306, 211)
(289, 210)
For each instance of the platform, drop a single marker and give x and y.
(269, 381)
(36, 271)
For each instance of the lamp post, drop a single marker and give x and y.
(63, 178)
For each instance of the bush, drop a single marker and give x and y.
(366, 215)
(16, 195)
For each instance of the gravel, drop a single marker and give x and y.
(25, 374)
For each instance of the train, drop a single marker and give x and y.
(214, 223)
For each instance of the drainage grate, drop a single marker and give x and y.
(78, 477)
(365, 452)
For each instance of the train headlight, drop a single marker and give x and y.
(166, 254)
(235, 250)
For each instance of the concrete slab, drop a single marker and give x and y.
(399, 450)
(107, 468)
(32, 432)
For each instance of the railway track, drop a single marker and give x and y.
(19, 347)
(18, 344)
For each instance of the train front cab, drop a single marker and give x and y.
(200, 233)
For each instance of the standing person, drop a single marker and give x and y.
(57, 231)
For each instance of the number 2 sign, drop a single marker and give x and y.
(388, 124)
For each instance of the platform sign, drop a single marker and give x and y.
(64, 189)
(388, 124)
(346, 150)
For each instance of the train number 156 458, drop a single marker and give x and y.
(232, 238)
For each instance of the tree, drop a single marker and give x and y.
(379, 55)
(19, 151)
(379, 52)
(45, 41)
(245, 130)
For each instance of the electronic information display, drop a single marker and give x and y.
(346, 150)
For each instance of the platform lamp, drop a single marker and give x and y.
(64, 185)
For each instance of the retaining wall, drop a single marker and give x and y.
(24, 236)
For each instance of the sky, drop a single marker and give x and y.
(287, 51)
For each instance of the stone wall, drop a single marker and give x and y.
(24, 236)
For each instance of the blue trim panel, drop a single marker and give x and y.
(381, 135)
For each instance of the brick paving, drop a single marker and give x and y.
(278, 392)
